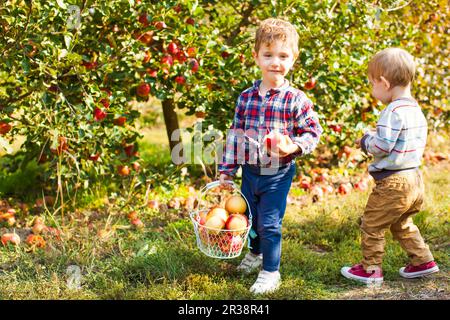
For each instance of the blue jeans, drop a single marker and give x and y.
(267, 196)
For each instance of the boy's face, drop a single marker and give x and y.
(275, 61)
(380, 89)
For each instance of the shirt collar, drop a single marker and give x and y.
(283, 87)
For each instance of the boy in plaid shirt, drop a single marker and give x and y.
(273, 124)
(397, 147)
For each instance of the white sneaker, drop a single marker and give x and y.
(250, 262)
(266, 282)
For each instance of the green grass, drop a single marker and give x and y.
(163, 262)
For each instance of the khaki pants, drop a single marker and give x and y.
(391, 204)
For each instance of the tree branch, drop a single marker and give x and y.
(243, 23)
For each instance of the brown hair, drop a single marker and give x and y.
(273, 29)
(394, 64)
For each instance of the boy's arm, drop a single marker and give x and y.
(229, 164)
(307, 129)
(382, 142)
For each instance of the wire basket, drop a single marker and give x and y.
(219, 243)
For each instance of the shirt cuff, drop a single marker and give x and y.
(363, 143)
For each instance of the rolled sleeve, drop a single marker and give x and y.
(307, 129)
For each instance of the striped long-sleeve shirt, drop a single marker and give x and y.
(399, 141)
(286, 110)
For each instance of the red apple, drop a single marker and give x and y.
(336, 128)
(99, 114)
(310, 84)
(236, 223)
(152, 73)
(306, 185)
(180, 80)
(181, 56)
(172, 48)
(344, 188)
(190, 21)
(160, 25)
(105, 102)
(167, 60)
(10, 238)
(146, 38)
(143, 90)
(4, 127)
(177, 8)
(143, 19)
(89, 65)
(120, 121)
(129, 150)
(137, 223)
(94, 157)
(194, 65)
(225, 54)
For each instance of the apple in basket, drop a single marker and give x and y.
(215, 223)
(235, 204)
(201, 217)
(230, 243)
(217, 211)
(236, 223)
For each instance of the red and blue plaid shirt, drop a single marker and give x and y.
(284, 109)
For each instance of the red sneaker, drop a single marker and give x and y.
(424, 269)
(358, 273)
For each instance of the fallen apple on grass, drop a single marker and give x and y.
(12, 238)
(36, 241)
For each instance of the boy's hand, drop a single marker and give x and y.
(284, 145)
(223, 177)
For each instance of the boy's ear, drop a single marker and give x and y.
(254, 54)
(386, 83)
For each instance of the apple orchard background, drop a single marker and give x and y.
(74, 76)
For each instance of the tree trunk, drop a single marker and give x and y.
(171, 121)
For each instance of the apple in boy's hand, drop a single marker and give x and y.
(279, 145)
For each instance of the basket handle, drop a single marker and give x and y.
(217, 183)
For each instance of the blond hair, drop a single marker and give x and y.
(395, 65)
(273, 29)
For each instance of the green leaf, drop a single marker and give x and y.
(68, 40)
(61, 4)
